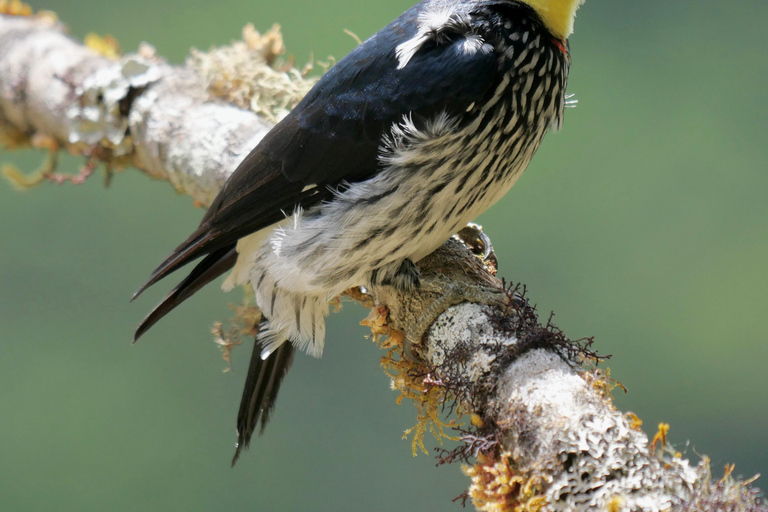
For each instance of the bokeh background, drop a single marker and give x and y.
(644, 223)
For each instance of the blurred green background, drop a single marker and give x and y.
(644, 223)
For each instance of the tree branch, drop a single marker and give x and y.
(545, 434)
(136, 111)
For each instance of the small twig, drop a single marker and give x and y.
(76, 179)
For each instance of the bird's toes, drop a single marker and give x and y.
(403, 276)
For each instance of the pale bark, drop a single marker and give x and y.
(156, 117)
(554, 440)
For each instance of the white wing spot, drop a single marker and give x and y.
(435, 21)
(431, 25)
(472, 44)
(405, 51)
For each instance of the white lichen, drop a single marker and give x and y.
(99, 117)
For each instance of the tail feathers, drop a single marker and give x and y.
(192, 248)
(260, 393)
(211, 267)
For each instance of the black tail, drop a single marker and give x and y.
(260, 392)
(211, 267)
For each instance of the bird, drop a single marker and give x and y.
(416, 132)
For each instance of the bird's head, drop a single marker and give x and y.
(557, 15)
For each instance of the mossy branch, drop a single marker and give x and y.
(543, 431)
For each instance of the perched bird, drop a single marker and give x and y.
(416, 132)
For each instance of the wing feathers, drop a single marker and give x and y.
(331, 138)
(333, 135)
(191, 249)
(214, 265)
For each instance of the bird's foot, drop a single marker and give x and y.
(473, 236)
(402, 275)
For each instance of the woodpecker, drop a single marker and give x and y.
(405, 140)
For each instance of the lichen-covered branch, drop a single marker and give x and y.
(546, 434)
(543, 433)
(138, 110)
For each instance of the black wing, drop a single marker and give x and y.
(333, 135)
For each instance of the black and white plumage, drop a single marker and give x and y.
(413, 134)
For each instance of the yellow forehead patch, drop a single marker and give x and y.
(558, 15)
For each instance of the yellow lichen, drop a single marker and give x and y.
(495, 487)
(44, 141)
(729, 468)
(22, 181)
(106, 46)
(602, 382)
(382, 333)
(245, 323)
(48, 17)
(247, 74)
(247, 319)
(429, 394)
(335, 303)
(13, 138)
(358, 295)
(226, 342)
(635, 423)
(353, 36)
(661, 437)
(15, 8)
(270, 45)
(616, 504)
(726, 493)
(376, 321)
(410, 379)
